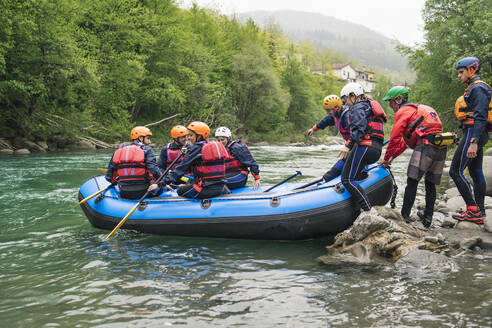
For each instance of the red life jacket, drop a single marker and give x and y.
(232, 163)
(375, 128)
(338, 122)
(171, 155)
(130, 165)
(212, 164)
(425, 121)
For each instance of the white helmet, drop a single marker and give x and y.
(351, 87)
(223, 132)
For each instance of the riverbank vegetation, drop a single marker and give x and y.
(454, 29)
(71, 69)
(95, 69)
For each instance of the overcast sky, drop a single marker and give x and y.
(397, 19)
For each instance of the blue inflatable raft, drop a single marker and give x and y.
(283, 213)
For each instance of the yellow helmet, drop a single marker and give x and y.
(140, 131)
(331, 102)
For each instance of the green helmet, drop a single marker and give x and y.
(395, 92)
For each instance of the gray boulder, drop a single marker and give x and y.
(487, 172)
(456, 204)
(488, 152)
(81, 145)
(34, 147)
(487, 221)
(6, 151)
(421, 264)
(468, 226)
(22, 151)
(452, 192)
(42, 144)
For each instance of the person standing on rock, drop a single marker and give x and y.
(415, 127)
(134, 166)
(474, 110)
(338, 116)
(364, 144)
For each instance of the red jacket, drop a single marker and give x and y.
(402, 133)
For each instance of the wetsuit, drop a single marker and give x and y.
(341, 120)
(477, 98)
(365, 148)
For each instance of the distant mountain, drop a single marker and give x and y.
(358, 41)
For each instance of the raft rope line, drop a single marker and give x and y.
(176, 200)
(395, 189)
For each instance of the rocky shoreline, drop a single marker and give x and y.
(381, 236)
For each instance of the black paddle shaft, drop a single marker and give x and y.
(298, 173)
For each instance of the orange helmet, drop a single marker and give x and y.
(199, 128)
(139, 131)
(178, 131)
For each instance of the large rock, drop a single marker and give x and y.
(22, 151)
(34, 147)
(487, 172)
(6, 151)
(452, 192)
(81, 145)
(456, 204)
(487, 221)
(42, 144)
(421, 264)
(5, 144)
(468, 226)
(488, 152)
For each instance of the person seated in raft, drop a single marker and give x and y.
(173, 149)
(134, 166)
(338, 116)
(207, 162)
(239, 162)
(365, 142)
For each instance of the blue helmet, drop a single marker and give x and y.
(469, 62)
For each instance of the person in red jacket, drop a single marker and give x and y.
(415, 127)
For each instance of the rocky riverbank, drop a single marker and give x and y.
(381, 236)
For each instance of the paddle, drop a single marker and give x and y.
(100, 169)
(320, 180)
(95, 194)
(142, 198)
(298, 173)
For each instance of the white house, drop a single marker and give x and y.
(347, 73)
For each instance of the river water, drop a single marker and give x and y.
(55, 270)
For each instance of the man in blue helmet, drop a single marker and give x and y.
(474, 110)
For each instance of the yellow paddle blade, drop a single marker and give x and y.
(122, 221)
(91, 196)
(100, 169)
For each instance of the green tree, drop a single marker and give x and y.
(454, 29)
(258, 99)
(300, 85)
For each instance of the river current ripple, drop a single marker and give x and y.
(56, 271)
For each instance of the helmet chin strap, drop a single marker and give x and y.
(471, 73)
